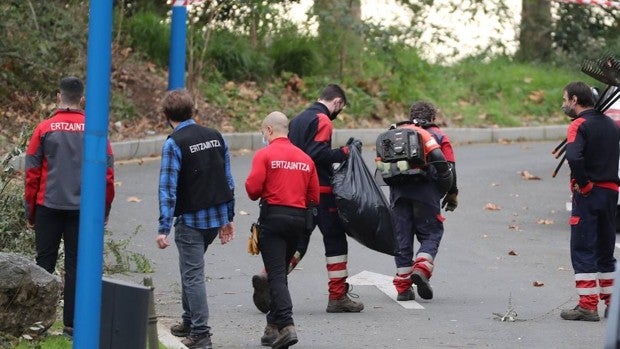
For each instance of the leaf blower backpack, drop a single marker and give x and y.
(400, 155)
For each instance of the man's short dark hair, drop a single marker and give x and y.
(422, 110)
(332, 91)
(178, 105)
(71, 90)
(582, 91)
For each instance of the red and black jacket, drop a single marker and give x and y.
(54, 164)
(592, 149)
(311, 131)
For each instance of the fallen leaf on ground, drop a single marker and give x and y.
(492, 207)
(528, 176)
(537, 284)
(133, 199)
(512, 253)
(545, 221)
(513, 227)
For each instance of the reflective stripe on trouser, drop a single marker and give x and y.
(592, 242)
(335, 242)
(587, 290)
(402, 280)
(337, 274)
(605, 283)
(294, 261)
(291, 264)
(424, 263)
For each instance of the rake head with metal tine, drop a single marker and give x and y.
(607, 76)
(610, 61)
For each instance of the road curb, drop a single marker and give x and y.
(167, 339)
(140, 148)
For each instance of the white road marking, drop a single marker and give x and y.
(384, 284)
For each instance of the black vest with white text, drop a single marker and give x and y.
(202, 180)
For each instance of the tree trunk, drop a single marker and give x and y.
(340, 24)
(535, 42)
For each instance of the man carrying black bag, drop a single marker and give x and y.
(311, 131)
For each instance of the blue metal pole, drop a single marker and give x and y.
(90, 243)
(178, 34)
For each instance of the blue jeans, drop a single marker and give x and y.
(192, 245)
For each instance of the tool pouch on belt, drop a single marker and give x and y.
(311, 213)
(253, 240)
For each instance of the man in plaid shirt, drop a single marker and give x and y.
(196, 187)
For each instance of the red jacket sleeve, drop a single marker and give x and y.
(256, 179)
(34, 164)
(312, 194)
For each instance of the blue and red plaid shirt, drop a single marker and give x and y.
(212, 217)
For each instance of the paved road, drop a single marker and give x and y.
(489, 260)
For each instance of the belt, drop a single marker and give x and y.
(285, 210)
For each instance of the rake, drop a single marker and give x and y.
(606, 70)
(601, 71)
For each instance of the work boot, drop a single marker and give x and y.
(407, 295)
(180, 329)
(286, 338)
(68, 331)
(270, 335)
(344, 305)
(579, 313)
(261, 292)
(424, 287)
(201, 341)
(606, 311)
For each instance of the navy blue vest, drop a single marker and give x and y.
(202, 180)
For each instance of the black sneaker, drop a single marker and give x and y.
(261, 296)
(180, 329)
(270, 335)
(579, 313)
(424, 287)
(201, 341)
(606, 311)
(407, 295)
(286, 338)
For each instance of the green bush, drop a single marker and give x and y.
(40, 44)
(15, 236)
(295, 53)
(502, 92)
(233, 56)
(150, 36)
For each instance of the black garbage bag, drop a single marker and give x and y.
(362, 207)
